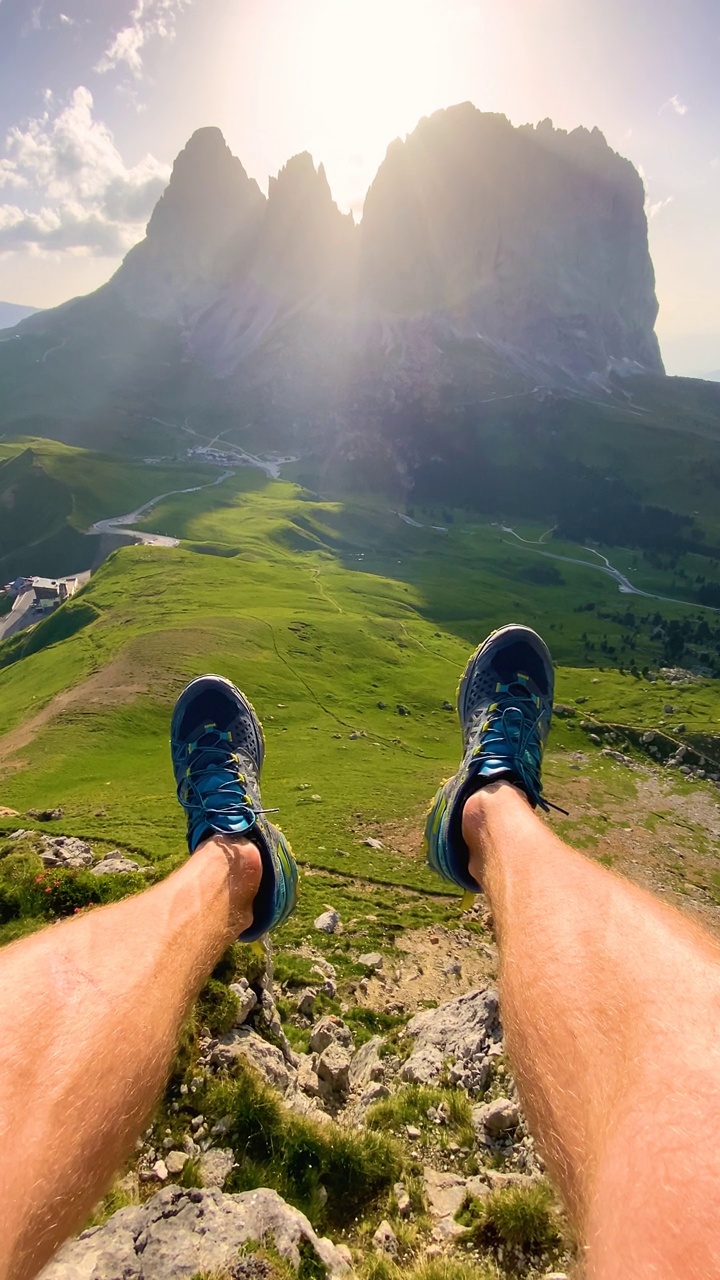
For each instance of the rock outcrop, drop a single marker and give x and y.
(179, 1234)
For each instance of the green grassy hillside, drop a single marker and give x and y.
(348, 629)
(51, 493)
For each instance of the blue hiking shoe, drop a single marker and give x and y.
(217, 747)
(505, 707)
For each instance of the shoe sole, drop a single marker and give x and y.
(520, 631)
(245, 703)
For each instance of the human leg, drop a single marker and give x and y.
(93, 1007)
(611, 1003)
(92, 1010)
(610, 999)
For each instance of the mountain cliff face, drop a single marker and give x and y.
(529, 244)
(490, 261)
(208, 208)
(532, 238)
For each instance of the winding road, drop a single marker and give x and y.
(625, 586)
(119, 524)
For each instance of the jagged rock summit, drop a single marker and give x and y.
(490, 260)
(530, 242)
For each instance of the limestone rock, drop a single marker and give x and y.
(328, 922)
(333, 1067)
(246, 997)
(307, 1077)
(181, 1233)
(175, 1162)
(402, 1200)
(115, 864)
(462, 1033)
(371, 960)
(65, 851)
(496, 1117)
(376, 1092)
(423, 1065)
(385, 1240)
(445, 1192)
(366, 1065)
(216, 1165)
(330, 1030)
(266, 1058)
(306, 1002)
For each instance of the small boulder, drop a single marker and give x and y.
(375, 1092)
(160, 1171)
(306, 1002)
(371, 960)
(328, 922)
(496, 1117)
(175, 1162)
(371, 843)
(331, 1030)
(366, 1066)
(246, 999)
(423, 1065)
(266, 1058)
(45, 815)
(114, 864)
(333, 1067)
(385, 1240)
(445, 1192)
(216, 1166)
(307, 1076)
(402, 1200)
(65, 851)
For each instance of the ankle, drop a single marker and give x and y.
(243, 872)
(477, 815)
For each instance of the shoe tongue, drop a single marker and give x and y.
(519, 690)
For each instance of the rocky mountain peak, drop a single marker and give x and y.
(307, 244)
(535, 237)
(208, 203)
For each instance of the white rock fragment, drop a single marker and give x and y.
(328, 922)
(385, 1240)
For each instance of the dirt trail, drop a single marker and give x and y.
(121, 681)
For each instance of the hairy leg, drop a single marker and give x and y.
(611, 1005)
(92, 1009)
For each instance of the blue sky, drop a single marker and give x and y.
(98, 96)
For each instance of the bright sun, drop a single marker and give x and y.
(367, 70)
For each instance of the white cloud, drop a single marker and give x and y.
(87, 196)
(653, 208)
(9, 175)
(148, 18)
(678, 106)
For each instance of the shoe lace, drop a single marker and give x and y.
(511, 731)
(213, 785)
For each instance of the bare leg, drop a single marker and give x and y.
(611, 1006)
(92, 1009)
